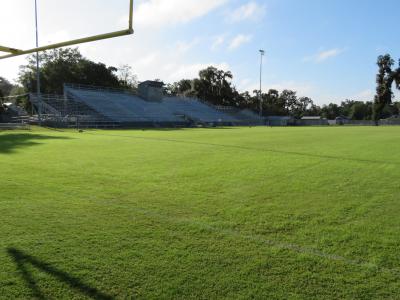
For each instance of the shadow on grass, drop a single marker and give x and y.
(162, 129)
(188, 128)
(22, 260)
(11, 142)
(246, 148)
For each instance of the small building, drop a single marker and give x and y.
(341, 120)
(151, 90)
(393, 120)
(279, 121)
(313, 121)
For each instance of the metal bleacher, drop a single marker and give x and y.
(63, 111)
(126, 107)
(122, 107)
(196, 110)
(242, 116)
(95, 107)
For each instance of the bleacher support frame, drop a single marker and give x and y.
(62, 112)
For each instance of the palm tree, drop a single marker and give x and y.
(385, 78)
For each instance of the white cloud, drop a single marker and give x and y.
(147, 60)
(245, 83)
(218, 41)
(239, 40)
(302, 88)
(170, 65)
(249, 11)
(324, 55)
(183, 47)
(365, 95)
(158, 13)
(189, 71)
(369, 94)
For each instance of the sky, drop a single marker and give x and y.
(324, 49)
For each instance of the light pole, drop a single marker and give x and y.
(262, 53)
(38, 67)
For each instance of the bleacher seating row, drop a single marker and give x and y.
(91, 105)
(125, 107)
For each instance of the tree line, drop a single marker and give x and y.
(215, 86)
(212, 85)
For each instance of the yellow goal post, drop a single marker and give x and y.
(12, 52)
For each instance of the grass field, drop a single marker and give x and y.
(266, 213)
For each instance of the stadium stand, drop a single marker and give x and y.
(19, 111)
(89, 106)
(122, 107)
(242, 116)
(127, 108)
(197, 111)
(61, 111)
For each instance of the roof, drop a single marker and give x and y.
(152, 83)
(279, 118)
(393, 117)
(311, 118)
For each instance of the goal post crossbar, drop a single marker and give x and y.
(9, 50)
(16, 52)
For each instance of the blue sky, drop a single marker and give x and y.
(325, 49)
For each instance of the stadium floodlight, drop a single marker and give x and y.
(262, 53)
(12, 52)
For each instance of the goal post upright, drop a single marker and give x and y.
(130, 25)
(16, 52)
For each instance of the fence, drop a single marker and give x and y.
(14, 126)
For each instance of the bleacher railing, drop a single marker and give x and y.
(14, 126)
(98, 88)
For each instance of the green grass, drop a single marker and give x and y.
(236, 213)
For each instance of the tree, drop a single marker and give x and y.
(215, 86)
(61, 66)
(2, 108)
(360, 111)
(314, 110)
(2, 111)
(302, 107)
(272, 103)
(396, 108)
(208, 86)
(245, 100)
(385, 78)
(127, 78)
(331, 111)
(5, 87)
(21, 97)
(183, 87)
(212, 85)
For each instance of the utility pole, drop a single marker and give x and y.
(38, 67)
(262, 53)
